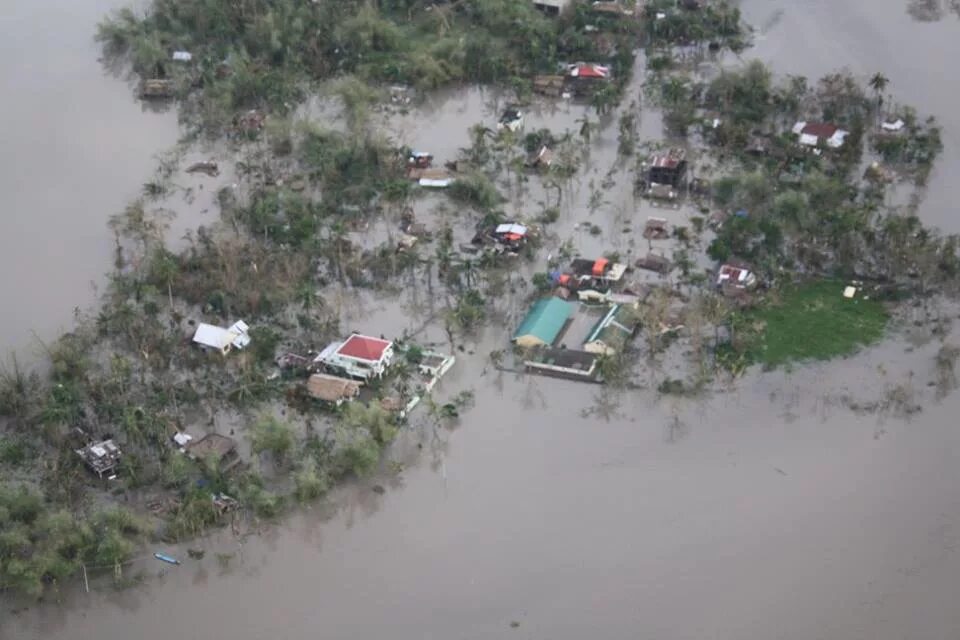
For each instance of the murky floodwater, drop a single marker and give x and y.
(770, 511)
(75, 149)
(816, 37)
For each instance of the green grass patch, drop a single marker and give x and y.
(812, 321)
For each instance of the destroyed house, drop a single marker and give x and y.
(508, 235)
(358, 356)
(216, 448)
(101, 457)
(668, 169)
(511, 118)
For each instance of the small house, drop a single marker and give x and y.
(816, 134)
(420, 160)
(332, 389)
(511, 119)
(216, 448)
(544, 322)
(667, 169)
(358, 356)
(552, 7)
(541, 159)
(211, 336)
(656, 229)
(156, 89)
(653, 262)
(893, 126)
(583, 78)
(101, 457)
(611, 333)
(735, 276)
(509, 236)
(599, 269)
(590, 71)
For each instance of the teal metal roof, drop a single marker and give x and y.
(603, 323)
(545, 319)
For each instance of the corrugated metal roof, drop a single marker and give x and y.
(212, 336)
(545, 320)
(364, 348)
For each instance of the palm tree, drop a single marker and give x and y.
(879, 84)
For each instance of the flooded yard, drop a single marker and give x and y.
(813, 502)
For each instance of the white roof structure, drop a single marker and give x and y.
(896, 125)
(215, 337)
(518, 229)
(241, 330)
(436, 183)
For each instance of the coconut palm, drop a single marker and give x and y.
(878, 82)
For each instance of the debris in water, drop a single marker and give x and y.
(196, 554)
(379, 489)
(208, 167)
(514, 624)
(165, 558)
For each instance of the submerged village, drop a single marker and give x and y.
(631, 207)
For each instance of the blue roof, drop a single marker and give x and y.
(545, 320)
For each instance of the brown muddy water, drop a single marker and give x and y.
(76, 149)
(816, 37)
(772, 509)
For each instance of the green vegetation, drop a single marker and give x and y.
(41, 546)
(811, 321)
(256, 54)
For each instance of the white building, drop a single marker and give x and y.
(552, 6)
(214, 337)
(358, 357)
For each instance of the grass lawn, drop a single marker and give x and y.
(812, 321)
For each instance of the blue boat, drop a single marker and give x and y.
(166, 558)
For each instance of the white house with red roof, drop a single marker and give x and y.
(358, 356)
(814, 134)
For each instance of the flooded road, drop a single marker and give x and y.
(75, 149)
(769, 511)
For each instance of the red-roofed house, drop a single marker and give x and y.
(588, 70)
(358, 356)
(813, 134)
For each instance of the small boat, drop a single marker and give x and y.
(165, 558)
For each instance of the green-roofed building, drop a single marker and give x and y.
(544, 322)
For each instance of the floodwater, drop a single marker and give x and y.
(75, 149)
(558, 510)
(815, 37)
(769, 512)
